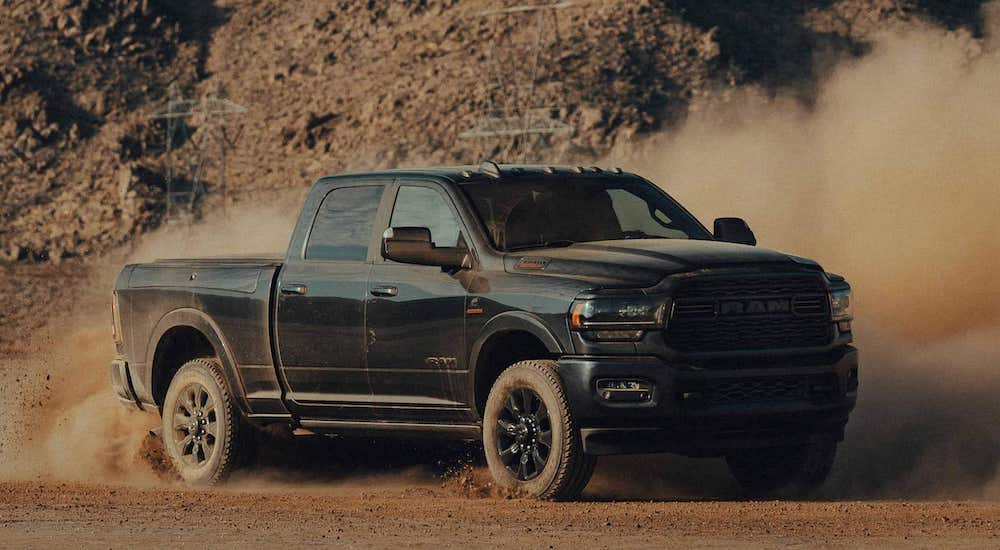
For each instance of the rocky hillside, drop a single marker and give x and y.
(75, 76)
(335, 85)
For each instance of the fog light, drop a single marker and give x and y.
(844, 326)
(625, 390)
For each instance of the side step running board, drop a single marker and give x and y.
(449, 431)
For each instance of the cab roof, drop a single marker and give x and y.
(487, 170)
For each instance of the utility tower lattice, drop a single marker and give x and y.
(210, 138)
(512, 116)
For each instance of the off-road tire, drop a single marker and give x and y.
(567, 468)
(792, 471)
(233, 437)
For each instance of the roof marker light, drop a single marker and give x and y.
(490, 168)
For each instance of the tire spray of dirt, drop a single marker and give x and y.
(893, 179)
(61, 418)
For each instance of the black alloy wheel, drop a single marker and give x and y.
(524, 434)
(532, 444)
(203, 430)
(195, 424)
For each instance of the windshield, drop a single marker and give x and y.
(556, 212)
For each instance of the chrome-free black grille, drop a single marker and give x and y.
(724, 335)
(750, 313)
(761, 390)
(756, 285)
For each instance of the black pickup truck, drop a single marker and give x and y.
(555, 314)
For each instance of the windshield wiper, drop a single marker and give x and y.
(558, 243)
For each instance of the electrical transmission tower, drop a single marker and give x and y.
(513, 118)
(204, 124)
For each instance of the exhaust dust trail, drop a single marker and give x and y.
(892, 179)
(61, 419)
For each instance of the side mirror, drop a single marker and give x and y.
(734, 230)
(412, 245)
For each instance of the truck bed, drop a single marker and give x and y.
(226, 296)
(263, 260)
(239, 274)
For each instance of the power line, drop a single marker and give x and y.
(210, 143)
(512, 117)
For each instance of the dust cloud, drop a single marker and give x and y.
(892, 178)
(62, 420)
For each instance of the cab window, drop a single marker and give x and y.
(425, 207)
(343, 225)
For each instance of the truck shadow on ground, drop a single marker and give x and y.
(458, 468)
(451, 468)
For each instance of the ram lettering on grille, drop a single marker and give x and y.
(750, 313)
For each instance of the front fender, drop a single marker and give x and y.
(511, 321)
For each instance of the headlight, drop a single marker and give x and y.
(617, 319)
(840, 305)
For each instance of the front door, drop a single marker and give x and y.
(416, 320)
(320, 309)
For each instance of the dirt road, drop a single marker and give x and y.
(380, 495)
(425, 515)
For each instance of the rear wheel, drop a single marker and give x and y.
(204, 431)
(531, 441)
(796, 470)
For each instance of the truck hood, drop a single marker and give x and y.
(642, 262)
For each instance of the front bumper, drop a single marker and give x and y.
(702, 411)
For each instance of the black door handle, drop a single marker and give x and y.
(294, 288)
(384, 291)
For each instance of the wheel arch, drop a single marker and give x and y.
(184, 334)
(506, 339)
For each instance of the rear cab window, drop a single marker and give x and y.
(343, 225)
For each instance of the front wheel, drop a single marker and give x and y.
(531, 441)
(204, 431)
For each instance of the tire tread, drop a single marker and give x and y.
(237, 440)
(575, 467)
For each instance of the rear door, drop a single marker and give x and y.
(320, 315)
(416, 318)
